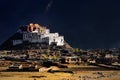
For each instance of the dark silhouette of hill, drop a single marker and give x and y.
(7, 44)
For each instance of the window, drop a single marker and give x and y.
(73, 59)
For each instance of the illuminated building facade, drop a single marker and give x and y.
(35, 33)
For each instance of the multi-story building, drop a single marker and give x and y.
(35, 33)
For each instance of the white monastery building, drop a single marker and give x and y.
(35, 33)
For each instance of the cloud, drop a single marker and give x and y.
(48, 6)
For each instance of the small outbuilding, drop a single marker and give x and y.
(71, 59)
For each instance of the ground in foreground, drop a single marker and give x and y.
(78, 75)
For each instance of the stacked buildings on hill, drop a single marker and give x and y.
(35, 33)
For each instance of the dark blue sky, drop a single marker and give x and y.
(84, 23)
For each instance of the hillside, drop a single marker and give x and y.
(34, 36)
